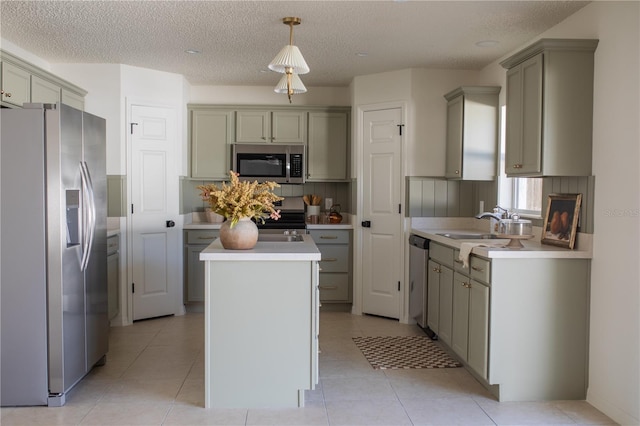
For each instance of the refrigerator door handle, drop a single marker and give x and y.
(89, 215)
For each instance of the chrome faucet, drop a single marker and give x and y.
(498, 214)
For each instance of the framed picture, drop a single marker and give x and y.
(561, 220)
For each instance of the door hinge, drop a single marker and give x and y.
(133, 124)
(398, 285)
(133, 287)
(131, 208)
(399, 208)
(400, 126)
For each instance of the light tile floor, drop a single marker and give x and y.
(154, 376)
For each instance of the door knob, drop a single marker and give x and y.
(366, 224)
(170, 224)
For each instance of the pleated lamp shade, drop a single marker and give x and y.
(297, 86)
(289, 57)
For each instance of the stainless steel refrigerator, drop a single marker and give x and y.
(53, 251)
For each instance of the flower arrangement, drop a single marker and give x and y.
(240, 199)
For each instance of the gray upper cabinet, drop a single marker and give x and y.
(210, 136)
(23, 82)
(44, 91)
(261, 126)
(328, 147)
(550, 109)
(16, 85)
(472, 132)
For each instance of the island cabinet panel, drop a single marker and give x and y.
(261, 325)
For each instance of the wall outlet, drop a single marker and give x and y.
(328, 202)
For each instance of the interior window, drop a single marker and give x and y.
(521, 195)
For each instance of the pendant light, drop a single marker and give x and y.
(290, 62)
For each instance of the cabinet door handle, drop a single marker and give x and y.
(329, 259)
(517, 166)
(328, 237)
(436, 270)
(328, 287)
(206, 237)
(475, 268)
(7, 94)
(458, 261)
(465, 285)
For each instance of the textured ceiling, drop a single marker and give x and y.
(237, 39)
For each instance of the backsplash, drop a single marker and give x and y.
(340, 192)
(433, 197)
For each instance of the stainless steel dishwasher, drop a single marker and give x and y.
(418, 258)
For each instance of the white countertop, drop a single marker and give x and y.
(494, 247)
(279, 251)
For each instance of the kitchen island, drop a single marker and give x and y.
(261, 323)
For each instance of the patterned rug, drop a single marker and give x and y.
(403, 352)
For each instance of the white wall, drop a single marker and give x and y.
(264, 95)
(102, 82)
(614, 355)
(614, 352)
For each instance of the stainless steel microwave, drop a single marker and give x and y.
(276, 163)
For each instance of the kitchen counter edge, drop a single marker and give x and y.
(532, 249)
(276, 251)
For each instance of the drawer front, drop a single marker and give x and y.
(334, 258)
(330, 236)
(202, 236)
(441, 254)
(113, 244)
(457, 264)
(480, 269)
(334, 287)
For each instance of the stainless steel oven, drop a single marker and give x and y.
(269, 162)
(292, 218)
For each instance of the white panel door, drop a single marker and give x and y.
(154, 197)
(382, 241)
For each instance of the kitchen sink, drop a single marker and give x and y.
(280, 238)
(460, 236)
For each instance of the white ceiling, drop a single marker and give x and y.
(237, 39)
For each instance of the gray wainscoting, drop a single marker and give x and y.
(116, 195)
(433, 197)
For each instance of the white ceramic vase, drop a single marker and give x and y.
(243, 235)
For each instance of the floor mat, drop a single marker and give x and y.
(403, 352)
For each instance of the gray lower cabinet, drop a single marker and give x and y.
(440, 291)
(458, 310)
(520, 325)
(113, 276)
(335, 264)
(195, 242)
